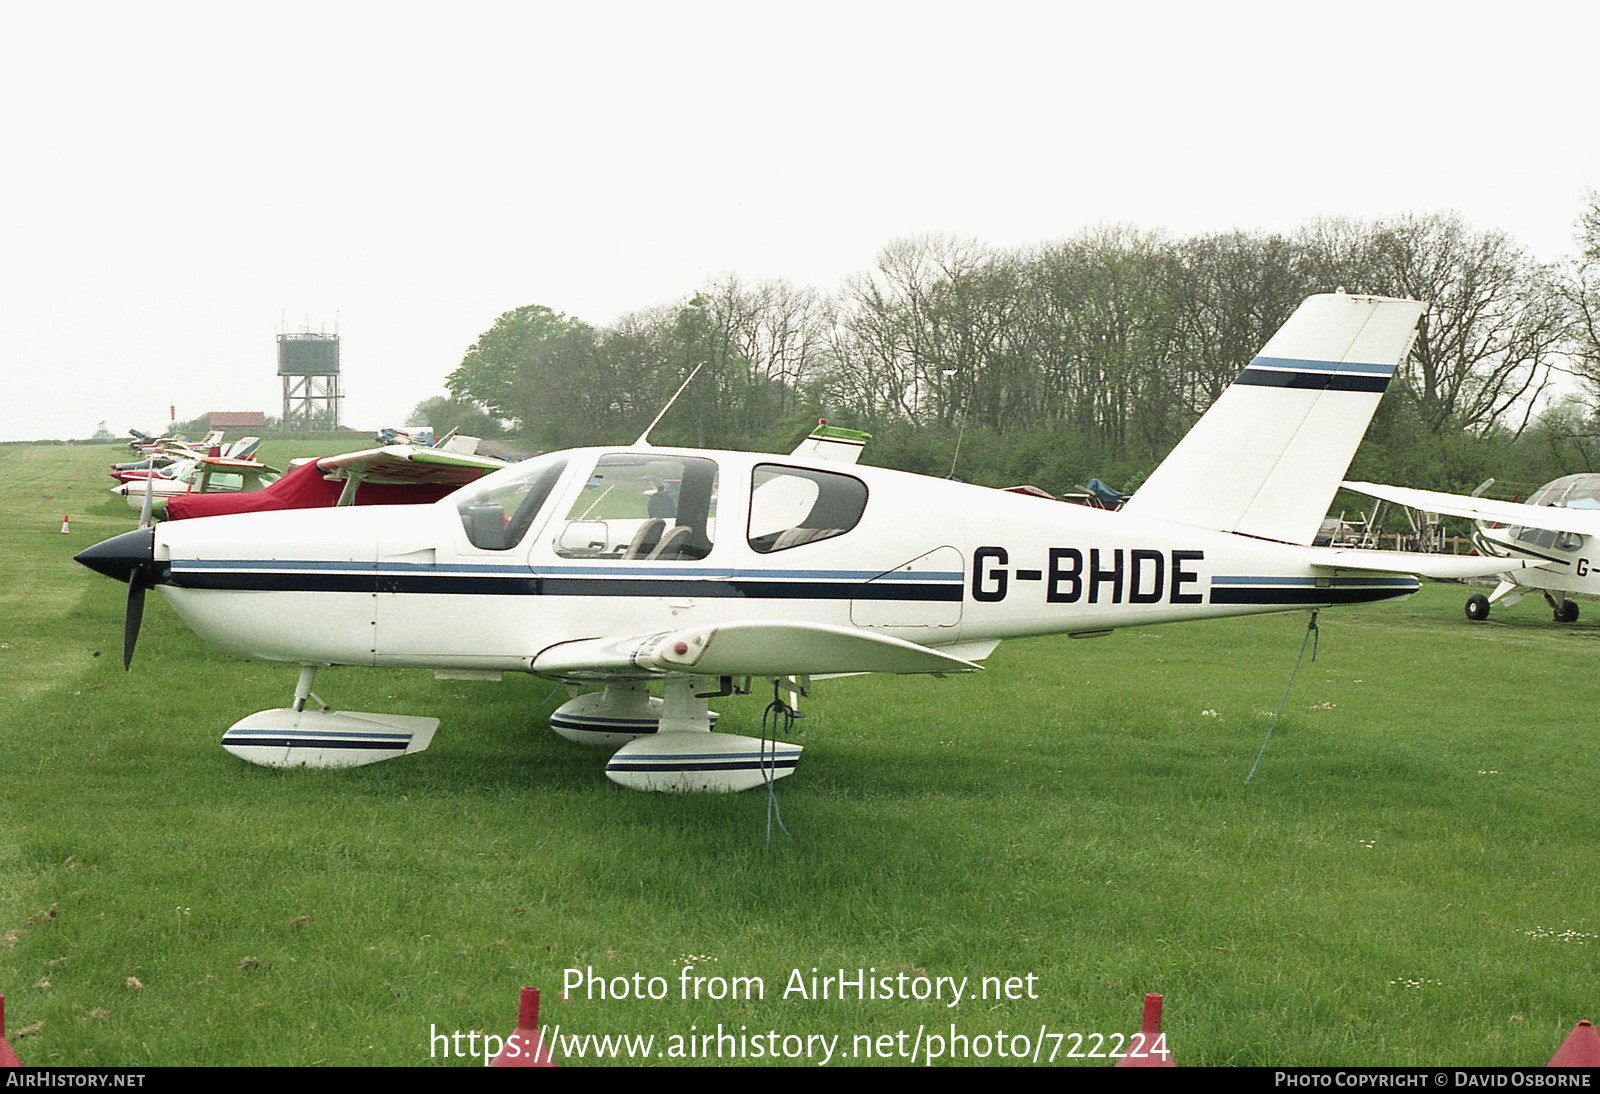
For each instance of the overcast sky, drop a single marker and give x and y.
(184, 181)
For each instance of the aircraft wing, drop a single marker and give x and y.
(230, 463)
(752, 648)
(1584, 522)
(397, 464)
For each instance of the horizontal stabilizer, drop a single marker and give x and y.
(1266, 459)
(829, 442)
(1583, 522)
(1456, 567)
(752, 648)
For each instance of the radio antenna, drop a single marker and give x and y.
(643, 441)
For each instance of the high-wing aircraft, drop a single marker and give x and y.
(205, 475)
(168, 456)
(702, 571)
(1555, 526)
(156, 467)
(392, 475)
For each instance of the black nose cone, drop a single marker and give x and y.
(124, 556)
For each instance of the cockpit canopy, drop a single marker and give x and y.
(497, 509)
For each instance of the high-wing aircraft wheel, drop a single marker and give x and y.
(1566, 612)
(1477, 607)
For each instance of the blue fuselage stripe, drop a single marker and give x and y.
(280, 741)
(532, 584)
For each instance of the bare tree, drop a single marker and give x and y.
(1579, 287)
(1493, 327)
(887, 342)
(1229, 293)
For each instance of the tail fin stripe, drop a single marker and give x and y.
(1301, 365)
(1312, 381)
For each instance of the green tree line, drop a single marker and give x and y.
(1085, 357)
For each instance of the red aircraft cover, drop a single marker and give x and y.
(302, 488)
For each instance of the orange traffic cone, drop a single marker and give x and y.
(1580, 1049)
(525, 1048)
(1148, 1047)
(64, 525)
(7, 1057)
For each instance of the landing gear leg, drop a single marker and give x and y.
(302, 690)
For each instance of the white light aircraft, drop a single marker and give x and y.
(701, 571)
(1557, 526)
(203, 475)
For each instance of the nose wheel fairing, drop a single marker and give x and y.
(322, 737)
(326, 738)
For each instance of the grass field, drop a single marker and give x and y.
(1409, 878)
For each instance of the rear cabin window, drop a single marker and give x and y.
(498, 509)
(644, 507)
(222, 482)
(791, 506)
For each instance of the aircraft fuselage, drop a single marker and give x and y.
(478, 582)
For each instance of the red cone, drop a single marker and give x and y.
(1580, 1049)
(1148, 1047)
(525, 1048)
(7, 1057)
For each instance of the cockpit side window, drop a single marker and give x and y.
(790, 506)
(643, 506)
(498, 510)
(1548, 538)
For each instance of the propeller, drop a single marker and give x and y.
(144, 512)
(132, 616)
(130, 557)
(133, 613)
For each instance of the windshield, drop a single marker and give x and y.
(498, 510)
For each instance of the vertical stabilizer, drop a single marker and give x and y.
(1268, 456)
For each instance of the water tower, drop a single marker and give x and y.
(309, 366)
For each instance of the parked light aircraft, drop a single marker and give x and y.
(392, 475)
(1555, 525)
(700, 571)
(146, 444)
(172, 458)
(205, 475)
(179, 448)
